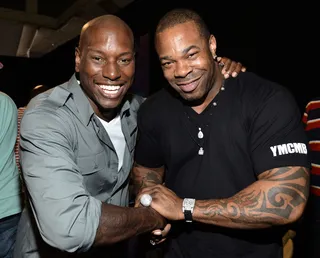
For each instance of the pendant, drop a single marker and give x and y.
(200, 133)
(201, 151)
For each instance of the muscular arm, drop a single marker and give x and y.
(120, 223)
(278, 197)
(142, 177)
(69, 218)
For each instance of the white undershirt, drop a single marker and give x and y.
(115, 133)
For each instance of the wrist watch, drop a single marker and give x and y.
(187, 208)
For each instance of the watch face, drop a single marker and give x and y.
(188, 203)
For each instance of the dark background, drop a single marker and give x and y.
(275, 42)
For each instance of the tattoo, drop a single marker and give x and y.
(270, 200)
(143, 177)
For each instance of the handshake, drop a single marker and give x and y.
(166, 203)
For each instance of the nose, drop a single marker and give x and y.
(111, 71)
(182, 69)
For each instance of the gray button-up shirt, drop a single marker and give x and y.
(70, 167)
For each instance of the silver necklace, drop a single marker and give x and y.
(200, 134)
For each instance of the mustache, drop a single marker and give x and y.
(186, 80)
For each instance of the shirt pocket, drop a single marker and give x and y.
(94, 171)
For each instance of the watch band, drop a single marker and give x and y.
(187, 215)
(187, 208)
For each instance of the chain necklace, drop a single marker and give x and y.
(200, 135)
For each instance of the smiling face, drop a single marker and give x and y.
(187, 60)
(105, 61)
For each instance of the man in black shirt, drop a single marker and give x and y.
(232, 154)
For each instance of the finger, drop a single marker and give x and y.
(137, 204)
(156, 237)
(233, 68)
(243, 69)
(226, 66)
(237, 69)
(152, 242)
(157, 232)
(162, 240)
(220, 62)
(166, 230)
(142, 192)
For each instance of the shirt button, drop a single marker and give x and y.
(222, 88)
(214, 104)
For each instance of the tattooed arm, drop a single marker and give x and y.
(278, 197)
(142, 177)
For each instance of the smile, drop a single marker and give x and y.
(110, 89)
(189, 86)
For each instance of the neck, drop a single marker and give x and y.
(107, 114)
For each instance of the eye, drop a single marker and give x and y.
(97, 59)
(191, 55)
(166, 64)
(125, 61)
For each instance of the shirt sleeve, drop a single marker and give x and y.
(148, 148)
(277, 136)
(66, 215)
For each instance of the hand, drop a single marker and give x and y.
(158, 236)
(161, 221)
(230, 67)
(164, 201)
(163, 226)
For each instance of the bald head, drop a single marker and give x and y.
(108, 23)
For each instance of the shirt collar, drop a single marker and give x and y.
(83, 105)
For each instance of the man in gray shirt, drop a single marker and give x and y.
(77, 145)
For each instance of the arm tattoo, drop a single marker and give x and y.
(275, 198)
(144, 177)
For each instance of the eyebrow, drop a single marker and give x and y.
(102, 53)
(186, 50)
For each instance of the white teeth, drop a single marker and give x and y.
(110, 87)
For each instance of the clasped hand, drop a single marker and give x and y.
(166, 203)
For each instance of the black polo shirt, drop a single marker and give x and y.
(251, 126)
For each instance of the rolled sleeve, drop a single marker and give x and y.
(66, 215)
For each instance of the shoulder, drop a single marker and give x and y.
(257, 91)
(51, 99)
(135, 101)
(7, 101)
(257, 86)
(8, 110)
(158, 103)
(47, 107)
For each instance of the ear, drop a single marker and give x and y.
(213, 46)
(77, 59)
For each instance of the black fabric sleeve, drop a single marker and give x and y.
(148, 148)
(277, 137)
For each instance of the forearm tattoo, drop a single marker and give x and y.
(144, 178)
(270, 200)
